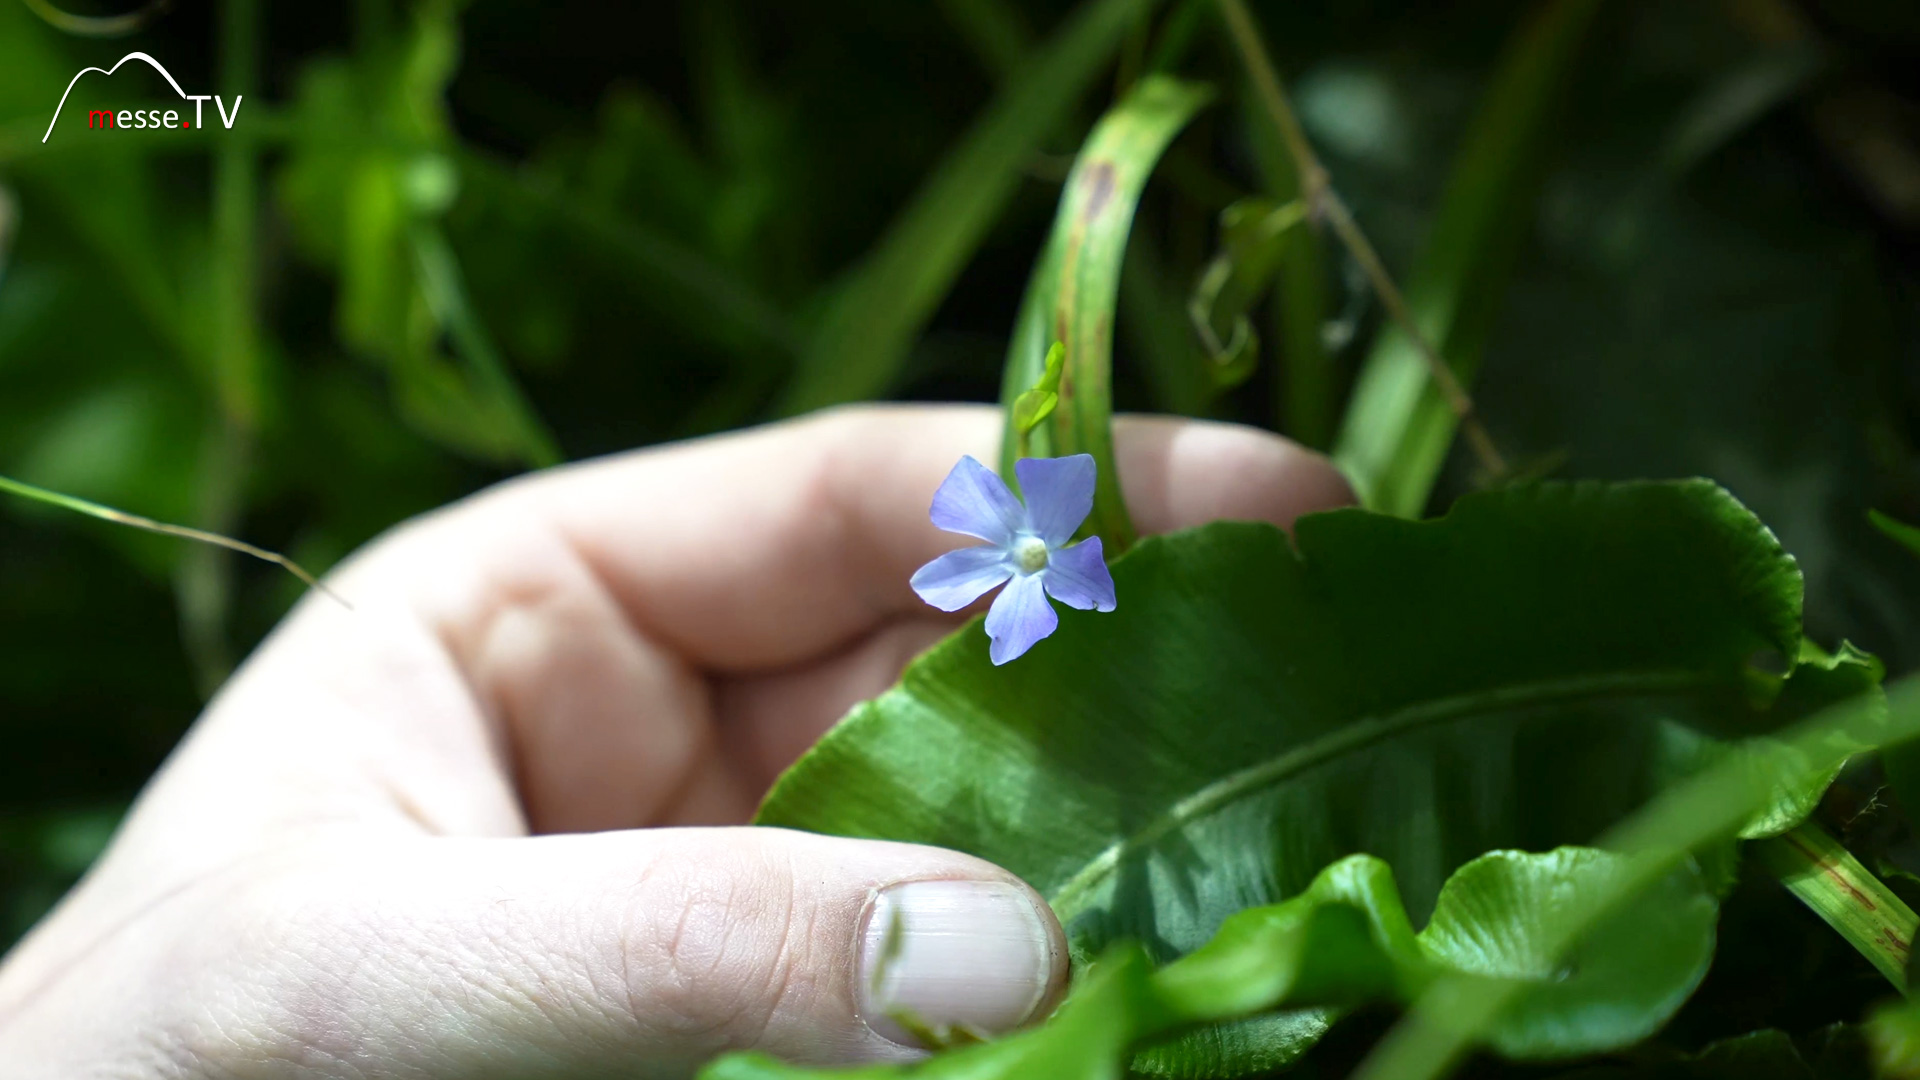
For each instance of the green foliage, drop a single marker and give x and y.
(1255, 236)
(1035, 405)
(458, 258)
(1399, 426)
(368, 200)
(1518, 674)
(1894, 1033)
(1899, 532)
(870, 324)
(1714, 803)
(1345, 940)
(1758, 1055)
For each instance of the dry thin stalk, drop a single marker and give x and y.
(120, 517)
(1317, 192)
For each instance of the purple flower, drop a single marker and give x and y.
(1026, 545)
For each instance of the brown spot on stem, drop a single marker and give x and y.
(1099, 184)
(1833, 872)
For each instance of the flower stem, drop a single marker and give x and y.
(1316, 189)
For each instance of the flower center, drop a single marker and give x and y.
(1030, 554)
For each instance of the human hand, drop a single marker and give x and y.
(469, 829)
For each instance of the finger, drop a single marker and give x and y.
(634, 954)
(772, 719)
(788, 543)
(1174, 474)
(544, 655)
(596, 611)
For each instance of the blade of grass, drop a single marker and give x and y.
(1156, 324)
(236, 359)
(203, 580)
(1859, 906)
(995, 32)
(1907, 536)
(1075, 288)
(1403, 415)
(135, 521)
(703, 297)
(441, 284)
(1306, 406)
(873, 317)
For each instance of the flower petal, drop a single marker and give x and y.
(958, 578)
(1078, 577)
(1020, 616)
(973, 501)
(1059, 494)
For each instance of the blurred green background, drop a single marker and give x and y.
(445, 242)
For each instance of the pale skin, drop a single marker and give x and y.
(489, 823)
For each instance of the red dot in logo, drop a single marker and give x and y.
(184, 124)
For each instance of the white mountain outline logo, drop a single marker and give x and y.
(197, 99)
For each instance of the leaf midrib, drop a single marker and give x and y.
(1070, 900)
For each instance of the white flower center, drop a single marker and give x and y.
(1030, 554)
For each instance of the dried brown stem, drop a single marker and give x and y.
(1316, 190)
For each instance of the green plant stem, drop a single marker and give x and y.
(203, 579)
(1306, 405)
(235, 203)
(1859, 906)
(446, 292)
(1317, 190)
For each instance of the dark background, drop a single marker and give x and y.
(1739, 304)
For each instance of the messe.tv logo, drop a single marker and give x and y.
(111, 119)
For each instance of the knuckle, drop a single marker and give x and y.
(716, 950)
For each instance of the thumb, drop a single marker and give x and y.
(651, 951)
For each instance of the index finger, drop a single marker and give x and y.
(766, 549)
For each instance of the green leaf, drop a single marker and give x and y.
(1900, 532)
(1076, 286)
(1622, 981)
(1254, 238)
(1894, 1034)
(1346, 940)
(368, 183)
(871, 322)
(1398, 426)
(1034, 406)
(1712, 805)
(1510, 676)
(1757, 1055)
(1085, 1040)
(1827, 878)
